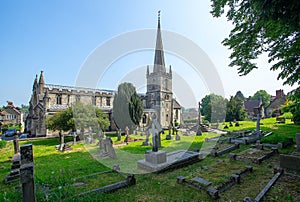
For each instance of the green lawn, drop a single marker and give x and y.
(280, 131)
(55, 171)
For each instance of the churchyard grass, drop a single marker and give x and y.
(280, 131)
(55, 170)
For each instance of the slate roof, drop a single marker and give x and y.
(250, 105)
(76, 88)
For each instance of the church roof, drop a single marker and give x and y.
(75, 88)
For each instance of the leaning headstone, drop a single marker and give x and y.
(27, 173)
(298, 141)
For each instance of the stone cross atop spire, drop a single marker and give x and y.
(159, 59)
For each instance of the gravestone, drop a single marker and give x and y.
(106, 148)
(146, 142)
(168, 136)
(177, 136)
(119, 134)
(16, 144)
(27, 173)
(298, 141)
(126, 140)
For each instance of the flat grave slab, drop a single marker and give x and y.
(173, 159)
(254, 155)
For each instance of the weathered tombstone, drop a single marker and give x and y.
(168, 136)
(146, 142)
(119, 134)
(116, 168)
(16, 144)
(106, 148)
(298, 141)
(177, 136)
(27, 173)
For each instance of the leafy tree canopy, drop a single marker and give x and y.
(271, 26)
(78, 116)
(240, 95)
(213, 107)
(262, 95)
(293, 105)
(235, 109)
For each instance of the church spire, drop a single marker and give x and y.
(42, 80)
(159, 59)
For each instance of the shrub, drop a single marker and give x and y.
(287, 115)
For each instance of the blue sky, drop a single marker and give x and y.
(57, 37)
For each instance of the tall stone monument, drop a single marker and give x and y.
(199, 132)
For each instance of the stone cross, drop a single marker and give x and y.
(199, 114)
(127, 130)
(155, 130)
(27, 173)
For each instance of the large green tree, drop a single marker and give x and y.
(271, 26)
(240, 95)
(78, 116)
(235, 109)
(213, 107)
(89, 117)
(62, 120)
(263, 96)
(127, 106)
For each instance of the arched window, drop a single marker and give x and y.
(58, 99)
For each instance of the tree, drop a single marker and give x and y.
(293, 106)
(78, 116)
(271, 26)
(240, 95)
(213, 107)
(89, 117)
(127, 106)
(62, 121)
(135, 108)
(262, 95)
(235, 109)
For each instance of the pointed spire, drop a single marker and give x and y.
(170, 70)
(42, 81)
(35, 83)
(159, 59)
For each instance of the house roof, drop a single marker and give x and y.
(11, 110)
(250, 105)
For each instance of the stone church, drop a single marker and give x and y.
(47, 99)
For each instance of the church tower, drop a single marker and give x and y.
(159, 93)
